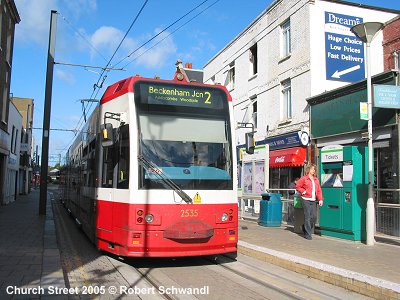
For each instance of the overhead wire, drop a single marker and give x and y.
(82, 36)
(171, 33)
(158, 34)
(94, 93)
(166, 28)
(102, 76)
(97, 85)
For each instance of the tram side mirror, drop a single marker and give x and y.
(107, 135)
(250, 143)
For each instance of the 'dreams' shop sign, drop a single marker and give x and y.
(344, 51)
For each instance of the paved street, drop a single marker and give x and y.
(32, 257)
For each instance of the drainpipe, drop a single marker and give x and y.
(397, 83)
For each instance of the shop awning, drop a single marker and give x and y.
(291, 157)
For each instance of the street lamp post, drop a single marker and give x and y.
(366, 32)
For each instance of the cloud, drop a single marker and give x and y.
(154, 55)
(158, 53)
(204, 43)
(80, 6)
(106, 39)
(35, 20)
(65, 76)
(35, 17)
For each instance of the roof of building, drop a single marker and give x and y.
(277, 2)
(352, 87)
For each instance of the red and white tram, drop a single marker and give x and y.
(152, 172)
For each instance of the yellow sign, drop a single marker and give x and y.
(363, 110)
(197, 198)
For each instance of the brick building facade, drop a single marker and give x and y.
(391, 44)
(8, 18)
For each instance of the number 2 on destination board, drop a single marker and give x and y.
(208, 100)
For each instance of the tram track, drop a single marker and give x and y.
(287, 291)
(221, 271)
(242, 278)
(83, 265)
(285, 283)
(135, 276)
(225, 277)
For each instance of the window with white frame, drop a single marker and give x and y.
(213, 79)
(254, 114)
(1, 20)
(15, 141)
(396, 59)
(9, 38)
(4, 99)
(286, 48)
(253, 60)
(231, 76)
(286, 100)
(12, 139)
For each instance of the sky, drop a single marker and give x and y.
(89, 32)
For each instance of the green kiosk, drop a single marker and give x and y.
(344, 182)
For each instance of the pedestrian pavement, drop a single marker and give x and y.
(29, 254)
(369, 270)
(30, 258)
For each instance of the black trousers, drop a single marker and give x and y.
(310, 216)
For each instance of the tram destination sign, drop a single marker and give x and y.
(179, 95)
(344, 52)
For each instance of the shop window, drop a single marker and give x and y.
(387, 178)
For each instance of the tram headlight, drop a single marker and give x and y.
(224, 217)
(149, 218)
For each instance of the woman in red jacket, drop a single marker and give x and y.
(310, 190)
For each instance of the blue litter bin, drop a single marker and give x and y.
(270, 210)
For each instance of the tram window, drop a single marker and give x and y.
(123, 158)
(108, 167)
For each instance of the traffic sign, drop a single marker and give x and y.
(344, 52)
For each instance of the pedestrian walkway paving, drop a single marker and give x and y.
(369, 270)
(30, 258)
(29, 255)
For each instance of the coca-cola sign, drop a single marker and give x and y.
(280, 159)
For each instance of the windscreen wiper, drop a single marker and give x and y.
(154, 169)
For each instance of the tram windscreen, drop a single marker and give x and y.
(190, 145)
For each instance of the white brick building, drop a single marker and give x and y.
(289, 53)
(10, 191)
